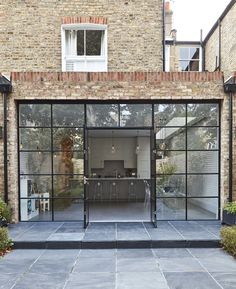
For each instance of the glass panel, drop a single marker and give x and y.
(202, 162)
(35, 163)
(102, 115)
(202, 138)
(184, 65)
(194, 53)
(68, 139)
(171, 209)
(172, 138)
(194, 65)
(36, 210)
(35, 139)
(35, 114)
(170, 162)
(135, 115)
(170, 114)
(80, 42)
(183, 53)
(68, 115)
(203, 185)
(204, 114)
(170, 186)
(94, 42)
(35, 186)
(202, 208)
(68, 186)
(68, 209)
(68, 162)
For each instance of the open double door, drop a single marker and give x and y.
(152, 181)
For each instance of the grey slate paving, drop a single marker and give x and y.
(171, 253)
(226, 280)
(137, 265)
(131, 231)
(219, 264)
(134, 253)
(95, 265)
(118, 269)
(91, 280)
(141, 280)
(185, 264)
(52, 266)
(41, 281)
(193, 280)
(7, 280)
(97, 253)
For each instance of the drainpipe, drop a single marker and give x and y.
(219, 23)
(230, 147)
(230, 89)
(5, 89)
(164, 35)
(5, 148)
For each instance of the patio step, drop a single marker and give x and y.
(72, 235)
(124, 244)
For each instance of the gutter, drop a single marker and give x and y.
(5, 89)
(230, 89)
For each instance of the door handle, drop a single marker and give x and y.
(85, 180)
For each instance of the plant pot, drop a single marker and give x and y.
(3, 223)
(228, 218)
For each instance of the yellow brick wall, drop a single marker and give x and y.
(30, 33)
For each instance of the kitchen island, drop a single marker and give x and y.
(114, 189)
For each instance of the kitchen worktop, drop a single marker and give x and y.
(115, 179)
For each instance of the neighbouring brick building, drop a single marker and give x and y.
(95, 126)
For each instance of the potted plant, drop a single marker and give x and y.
(229, 214)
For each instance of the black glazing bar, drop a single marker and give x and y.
(219, 163)
(186, 162)
(19, 163)
(52, 163)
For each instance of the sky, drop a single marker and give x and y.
(192, 15)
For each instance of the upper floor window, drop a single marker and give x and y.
(84, 47)
(189, 59)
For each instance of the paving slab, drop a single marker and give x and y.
(91, 281)
(226, 280)
(72, 235)
(118, 269)
(187, 280)
(95, 265)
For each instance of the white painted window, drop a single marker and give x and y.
(84, 47)
(190, 58)
(167, 58)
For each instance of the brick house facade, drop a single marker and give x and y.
(32, 56)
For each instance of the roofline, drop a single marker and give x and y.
(222, 16)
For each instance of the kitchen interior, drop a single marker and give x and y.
(119, 175)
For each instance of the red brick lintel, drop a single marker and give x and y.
(117, 76)
(84, 19)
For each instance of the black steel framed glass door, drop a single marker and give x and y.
(153, 179)
(86, 183)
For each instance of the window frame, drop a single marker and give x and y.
(188, 59)
(85, 59)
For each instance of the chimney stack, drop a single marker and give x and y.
(168, 18)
